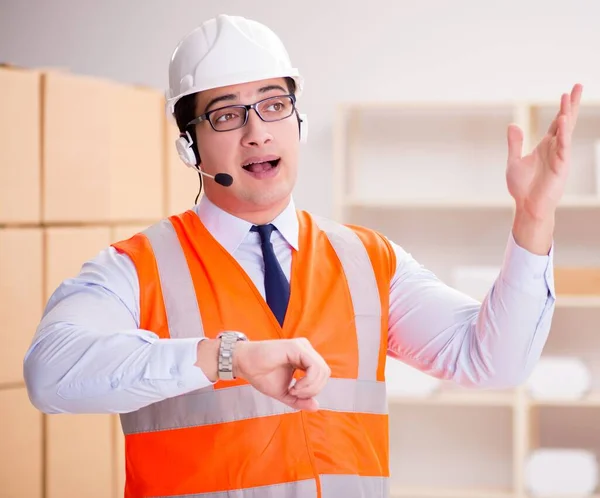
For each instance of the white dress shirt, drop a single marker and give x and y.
(89, 355)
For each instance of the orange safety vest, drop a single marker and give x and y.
(229, 437)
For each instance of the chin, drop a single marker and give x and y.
(269, 196)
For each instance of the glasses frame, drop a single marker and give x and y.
(247, 108)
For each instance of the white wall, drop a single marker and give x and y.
(426, 49)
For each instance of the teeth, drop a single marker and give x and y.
(258, 162)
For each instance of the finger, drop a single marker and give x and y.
(515, 142)
(309, 386)
(563, 110)
(575, 102)
(301, 357)
(309, 390)
(563, 139)
(305, 386)
(310, 404)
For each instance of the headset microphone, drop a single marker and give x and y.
(221, 178)
(188, 156)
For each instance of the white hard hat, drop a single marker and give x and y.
(227, 50)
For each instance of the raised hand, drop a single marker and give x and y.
(537, 181)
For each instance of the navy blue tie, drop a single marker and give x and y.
(277, 287)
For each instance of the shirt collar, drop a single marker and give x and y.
(229, 230)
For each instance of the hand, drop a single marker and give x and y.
(269, 366)
(537, 181)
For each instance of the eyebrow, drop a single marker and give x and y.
(231, 96)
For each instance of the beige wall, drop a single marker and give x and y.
(375, 50)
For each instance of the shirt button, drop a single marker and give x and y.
(114, 383)
(181, 384)
(174, 371)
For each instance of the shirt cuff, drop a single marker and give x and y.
(173, 361)
(528, 272)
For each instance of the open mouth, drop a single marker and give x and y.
(261, 166)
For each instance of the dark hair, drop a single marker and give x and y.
(185, 111)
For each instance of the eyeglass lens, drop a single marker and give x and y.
(272, 109)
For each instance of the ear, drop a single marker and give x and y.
(184, 146)
(303, 122)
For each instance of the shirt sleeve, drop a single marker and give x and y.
(89, 355)
(451, 336)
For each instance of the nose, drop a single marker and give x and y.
(256, 131)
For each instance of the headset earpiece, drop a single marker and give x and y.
(303, 123)
(185, 148)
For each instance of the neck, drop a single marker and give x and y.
(255, 214)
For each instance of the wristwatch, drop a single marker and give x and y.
(228, 340)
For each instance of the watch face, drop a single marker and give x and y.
(233, 335)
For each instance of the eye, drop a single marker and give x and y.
(227, 117)
(277, 106)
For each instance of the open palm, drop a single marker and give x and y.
(537, 181)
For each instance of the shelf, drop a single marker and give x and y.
(461, 106)
(484, 398)
(568, 202)
(402, 492)
(579, 302)
(592, 399)
(457, 398)
(575, 496)
(431, 176)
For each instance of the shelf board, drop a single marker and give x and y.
(457, 398)
(572, 301)
(568, 202)
(458, 104)
(477, 397)
(402, 492)
(591, 399)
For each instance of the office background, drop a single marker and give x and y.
(408, 104)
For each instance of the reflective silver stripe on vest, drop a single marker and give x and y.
(354, 486)
(332, 486)
(214, 406)
(183, 315)
(297, 489)
(362, 284)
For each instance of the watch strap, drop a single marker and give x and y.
(228, 341)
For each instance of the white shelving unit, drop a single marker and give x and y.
(431, 176)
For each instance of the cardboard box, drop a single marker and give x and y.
(21, 297)
(103, 155)
(67, 249)
(21, 447)
(577, 280)
(80, 456)
(123, 232)
(80, 449)
(20, 168)
(182, 181)
(119, 456)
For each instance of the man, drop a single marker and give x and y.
(244, 342)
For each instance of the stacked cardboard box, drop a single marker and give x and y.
(83, 162)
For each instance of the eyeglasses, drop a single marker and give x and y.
(233, 117)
